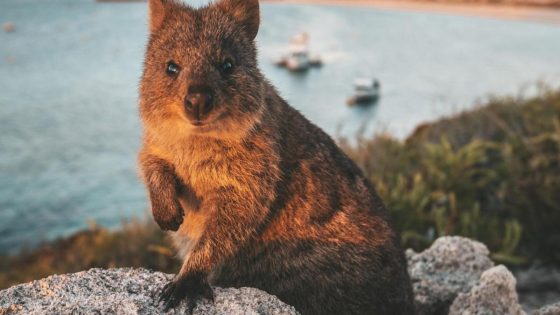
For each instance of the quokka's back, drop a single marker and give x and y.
(252, 192)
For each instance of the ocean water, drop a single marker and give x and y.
(69, 128)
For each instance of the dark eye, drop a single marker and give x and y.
(172, 69)
(227, 67)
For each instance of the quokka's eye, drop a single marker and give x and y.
(172, 69)
(227, 67)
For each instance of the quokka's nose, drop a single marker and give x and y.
(198, 104)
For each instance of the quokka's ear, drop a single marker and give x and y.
(245, 12)
(157, 10)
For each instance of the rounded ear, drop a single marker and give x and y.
(245, 12)
(157, 9)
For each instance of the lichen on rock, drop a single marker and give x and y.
(452, 265)
(494, 294)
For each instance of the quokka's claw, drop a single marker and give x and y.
(175, 291)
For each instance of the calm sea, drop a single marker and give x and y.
(69, 128)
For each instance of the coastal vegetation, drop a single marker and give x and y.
(491, 174)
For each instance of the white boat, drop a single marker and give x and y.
(298, 58)
(366, 91)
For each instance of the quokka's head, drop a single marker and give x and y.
(200, 72)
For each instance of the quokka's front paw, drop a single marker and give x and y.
(168, 215)
(191, 289)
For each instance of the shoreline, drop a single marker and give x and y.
(547, 14)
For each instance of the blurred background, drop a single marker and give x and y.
(452, 110)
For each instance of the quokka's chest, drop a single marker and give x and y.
(210, 167)
(207, 173)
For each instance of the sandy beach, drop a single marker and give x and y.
(513, 12)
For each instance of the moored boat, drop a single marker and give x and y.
(366, 92)
(298, 58)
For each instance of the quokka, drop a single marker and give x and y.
(253, 193)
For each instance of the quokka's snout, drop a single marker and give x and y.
(199, 103)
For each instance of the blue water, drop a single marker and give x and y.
(69, 128)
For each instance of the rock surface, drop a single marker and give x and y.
(451, 266)
(553, 309)
(454, 276)
(126, 292)
(494, 294)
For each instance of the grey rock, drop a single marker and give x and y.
(553, 309)
(452, 265)
(127, 292)
(495, 294)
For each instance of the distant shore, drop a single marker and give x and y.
(531, 10)
(543, 11)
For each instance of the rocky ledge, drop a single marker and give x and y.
(454, 276)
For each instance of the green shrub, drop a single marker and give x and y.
(492, 174)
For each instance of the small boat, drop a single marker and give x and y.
(298, 59)
(366, 92)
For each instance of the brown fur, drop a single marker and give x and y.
(258, 196)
